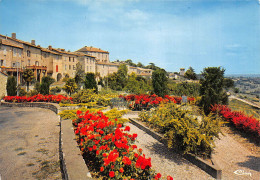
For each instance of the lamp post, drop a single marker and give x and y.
(17, 77)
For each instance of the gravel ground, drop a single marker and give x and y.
(235, 160)
(29, 144)
(164, 161)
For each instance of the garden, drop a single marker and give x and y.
(188, 124)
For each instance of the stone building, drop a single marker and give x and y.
(3, 82)
(17, 55)
(101, 55)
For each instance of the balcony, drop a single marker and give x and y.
(37, 67)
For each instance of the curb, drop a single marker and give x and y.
(72, 165)
(212, 169)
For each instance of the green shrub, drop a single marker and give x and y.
(116, 116)
(84, 96)
(21, 91)
(11, 87)
(183, 130)
(55, 90)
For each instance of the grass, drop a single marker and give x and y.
(248, 110)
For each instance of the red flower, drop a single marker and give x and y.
(111, 174)
(102, 169)
(127, 128)
(121, 170)
(169, 178)
(126, 160)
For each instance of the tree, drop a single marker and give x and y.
(140, 65)
(211, 90)
(137, 84)
(190, 74)
(28, 76)
(70, 86)
(79, 75)
(159, 81)
(228, 83)
(130, 62)
(90, 81)
(11, 86)
(122, 76)
(45, 85)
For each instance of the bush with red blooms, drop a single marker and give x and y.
(111, 148)
(238, 119)
(37, 98)
(144, 101)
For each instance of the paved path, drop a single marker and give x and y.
(236, 161)
(245, 101)
(164, 161)
(29, 144)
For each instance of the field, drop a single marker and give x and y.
(248, 110)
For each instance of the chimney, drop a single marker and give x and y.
(14, 35)
(50, 47)
(33, 42)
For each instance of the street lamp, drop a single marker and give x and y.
(17, 63)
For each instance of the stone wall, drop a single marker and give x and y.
(3, 82)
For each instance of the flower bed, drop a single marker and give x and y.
(238, 119)
(37, 98)
(139, 102)
(112, 150)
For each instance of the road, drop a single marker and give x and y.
(29, 144)
(245, 101)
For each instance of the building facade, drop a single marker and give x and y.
(17, 55)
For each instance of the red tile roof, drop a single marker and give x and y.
(10, 43)
(91, 49)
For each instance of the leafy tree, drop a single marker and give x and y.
(70, 86)
(184, 88)
(122, 76)
(11, 86)
(236, 90)
(45, 85)
(130, 62)
(190, 74)
(79, 75)
(90, 82)
(140, 65)
(152, 66)
(228, 83)
(159, 80)
(137, 85)
(211, 90)
(65, 79)
(28, 76)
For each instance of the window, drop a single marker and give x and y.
(2, 62)
(74, 67)
(69, 67)
(73, 59)
(14, 52)
(29, 62)
(65, 67)
(13, 64)
(37, 63)
(20, 52)
(69, 59)
(28, 53)
(4, 50)
(57, 68)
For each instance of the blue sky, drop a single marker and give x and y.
(170, 33)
